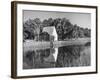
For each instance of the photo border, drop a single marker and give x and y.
(14, 37)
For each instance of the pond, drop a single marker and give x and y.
(66, 56)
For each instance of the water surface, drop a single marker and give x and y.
(67, 56)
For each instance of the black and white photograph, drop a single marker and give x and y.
(56, 39)
(53, 39)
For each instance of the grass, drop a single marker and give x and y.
(30, 45)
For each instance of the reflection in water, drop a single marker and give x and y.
(68, 56)
(71, 56)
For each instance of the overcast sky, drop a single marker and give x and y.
(81, 19)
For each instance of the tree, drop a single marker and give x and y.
(50, 22)
(32, 28)
(44, 36)
(67, 26)
(38, 27)
(28, 28)
(59, 29)
(75, 32)
(87, 32)
(45, 23)
(81, 32)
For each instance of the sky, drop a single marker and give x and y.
(81, 19)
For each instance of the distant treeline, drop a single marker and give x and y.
(32, 28)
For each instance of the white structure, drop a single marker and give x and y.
(52, 31)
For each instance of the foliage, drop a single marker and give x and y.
(69, 56)
(32, 29)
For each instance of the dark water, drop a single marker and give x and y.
(72, 56)
(68, 56)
